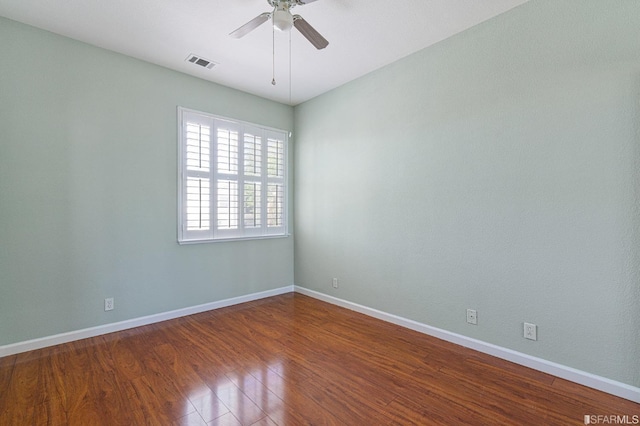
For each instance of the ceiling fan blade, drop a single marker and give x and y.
(251, 25)
(301, 2)
(309, 32)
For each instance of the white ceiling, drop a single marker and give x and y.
(363, 35)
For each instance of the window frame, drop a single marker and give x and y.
(215, 175)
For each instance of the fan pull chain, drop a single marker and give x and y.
(273, 53)
(289, 67)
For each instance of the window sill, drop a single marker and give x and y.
(224, 240)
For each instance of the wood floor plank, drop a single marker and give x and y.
(600, 402)
(22, 392)
(50, 412)
(208, 405)
(157, 397)
(192, 419)
(184, 377)
(117, 355)
(432, 409)
(7, 365)
(238, 403)
(225, 420)
(519, 396)
(285, 360)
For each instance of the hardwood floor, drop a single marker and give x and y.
(286, 360)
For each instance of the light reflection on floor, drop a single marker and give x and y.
(247, 395)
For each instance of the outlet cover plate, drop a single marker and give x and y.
(530, 331)
(108, 304)
(472, 316)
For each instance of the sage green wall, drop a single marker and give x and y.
(497, 170)
(88, 190)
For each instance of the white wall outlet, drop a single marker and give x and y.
(530, 331)
(472, 316)
(108, 304)
(335, 283)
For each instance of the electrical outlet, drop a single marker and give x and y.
(335, 283)
(530, 331)
(472, 316)
(108, 304)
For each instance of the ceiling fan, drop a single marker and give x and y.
(283, 20)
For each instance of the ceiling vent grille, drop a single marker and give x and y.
(199, 60)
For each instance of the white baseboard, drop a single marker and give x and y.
(71, 336)
(603, 384)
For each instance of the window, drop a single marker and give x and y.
(233, 182)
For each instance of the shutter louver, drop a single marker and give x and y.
(252, 155)
(198, 147)
(275, 205)
(198, 181)
(275, 158)
(252, 204)
(275, 189)
(227, 204)
(227, 142)
(198, 204)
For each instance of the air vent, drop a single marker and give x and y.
(199, 60)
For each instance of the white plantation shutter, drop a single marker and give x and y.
(227, 205)
(232, 179)
(198, 204)
(276, 160)
(227, 149)
(252, 207)
(226, 176)
(252, 155)
(196, 199)
(275, 155)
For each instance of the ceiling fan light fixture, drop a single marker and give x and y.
(282, 20)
